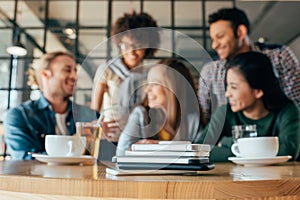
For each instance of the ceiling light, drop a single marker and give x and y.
(70, 32)
(17, 49)
(261, 40)
(73, 36)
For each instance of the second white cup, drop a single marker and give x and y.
(256, 147)
(64, 145)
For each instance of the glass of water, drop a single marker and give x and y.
(242, 131)
(92, 132)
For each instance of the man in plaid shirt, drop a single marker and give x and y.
(229, 31)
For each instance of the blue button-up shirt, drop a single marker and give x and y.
(27, 125)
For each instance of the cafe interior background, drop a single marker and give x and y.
(78, 26)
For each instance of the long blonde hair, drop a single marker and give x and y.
(34, 73)
(178, 81)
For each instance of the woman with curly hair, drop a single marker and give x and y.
(130, 34)
(137, 37)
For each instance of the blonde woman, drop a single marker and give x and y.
(170, 110)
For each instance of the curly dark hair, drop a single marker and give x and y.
(234, 15)
(130, 21)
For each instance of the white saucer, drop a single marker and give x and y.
(260, 160)
(62, 160)
(120, 172)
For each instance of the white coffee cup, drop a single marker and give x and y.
(64, 145)
(256, 147)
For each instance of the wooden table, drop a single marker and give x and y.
(225, 181)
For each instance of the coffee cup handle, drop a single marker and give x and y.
(71, 148)
(235, 150)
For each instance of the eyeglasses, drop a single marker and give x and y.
(126, 47)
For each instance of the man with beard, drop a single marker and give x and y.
(27, 124)
(229, 31)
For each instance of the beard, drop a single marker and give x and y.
(237, 48)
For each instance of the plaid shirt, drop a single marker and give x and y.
(211, 91)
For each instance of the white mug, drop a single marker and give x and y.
(64, 145)
(256, 147)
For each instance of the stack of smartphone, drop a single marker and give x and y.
(179, 155)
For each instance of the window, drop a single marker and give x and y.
(78, 27)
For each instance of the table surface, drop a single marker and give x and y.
(227, 180)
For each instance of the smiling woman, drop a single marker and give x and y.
(134, 43)
(255, 97)
(240, 94)
(169, 112)
(133, 46)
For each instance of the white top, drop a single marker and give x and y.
(61, 128)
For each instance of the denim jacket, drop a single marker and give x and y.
(27, 125)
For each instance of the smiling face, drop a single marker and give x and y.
(224, 42)
(240, 95)
(61, 76)
(131, 52)
(156, 91)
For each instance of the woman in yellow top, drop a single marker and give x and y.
(170, 110)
